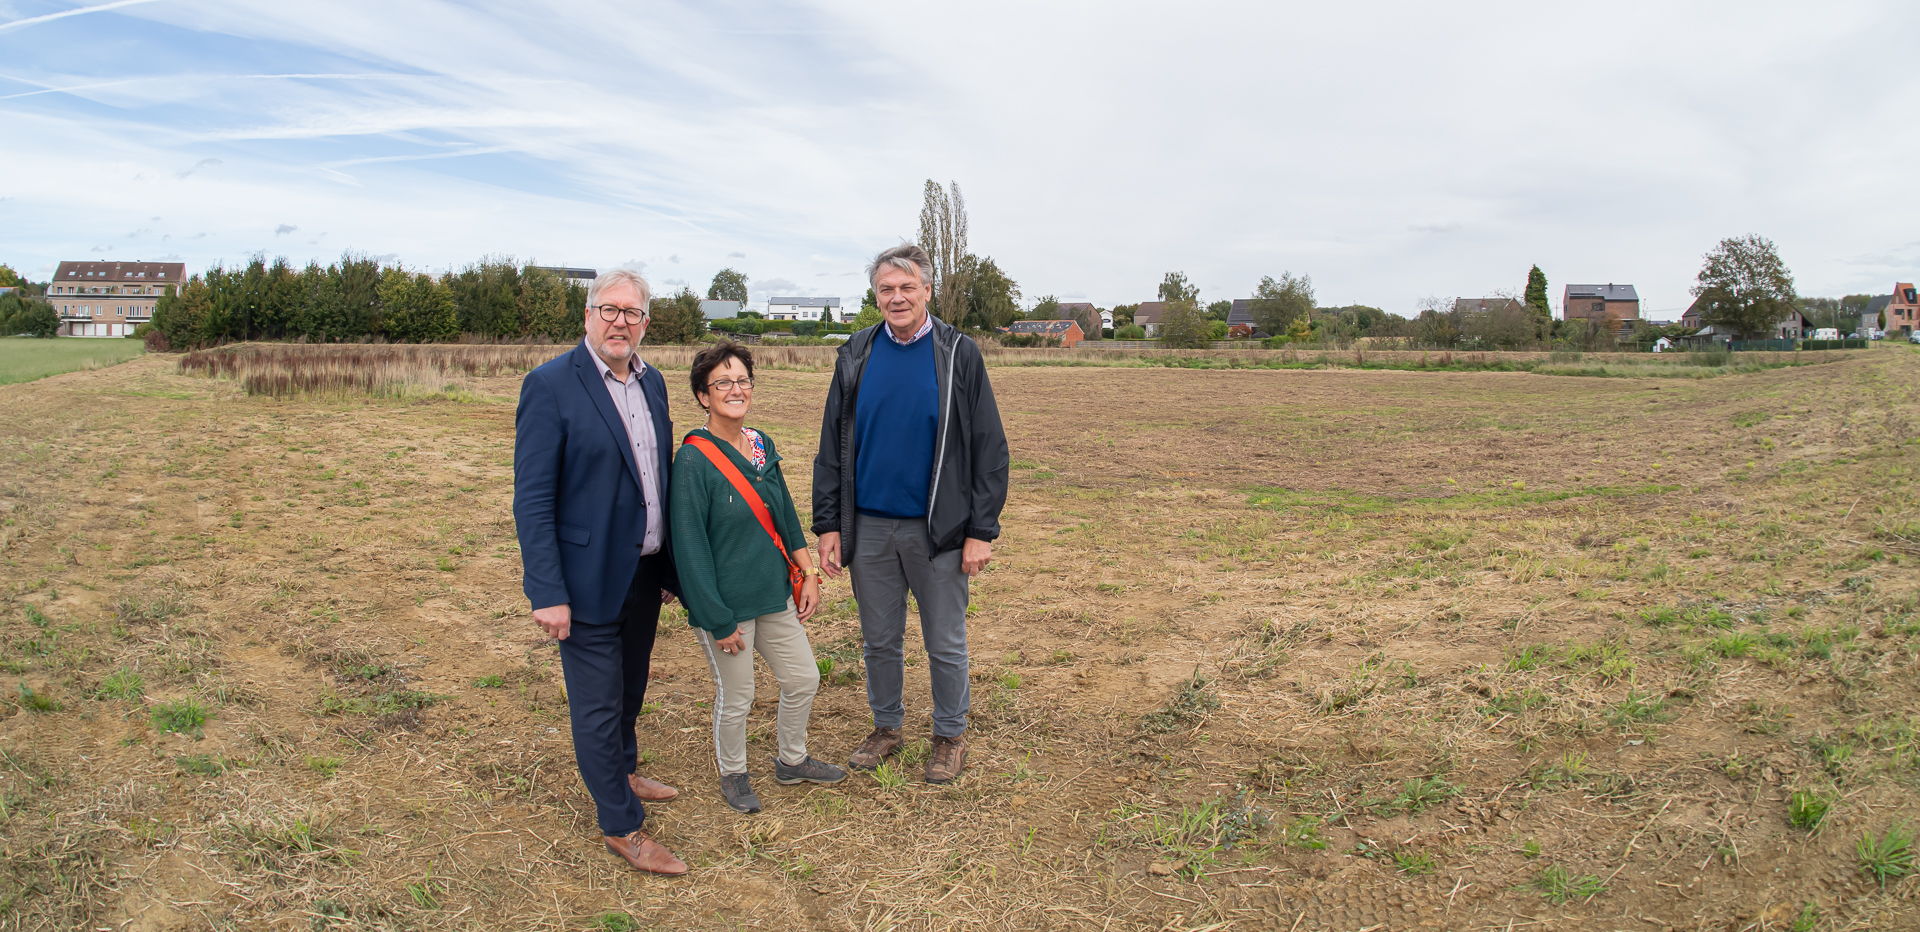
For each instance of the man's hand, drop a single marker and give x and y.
(555, 620)
(732, 643)
(975, 555)
(666, 598)
(829, 547)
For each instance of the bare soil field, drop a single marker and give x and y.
(1260, 649)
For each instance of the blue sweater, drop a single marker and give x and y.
(895, 419)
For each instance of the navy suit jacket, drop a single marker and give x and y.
(577, 504)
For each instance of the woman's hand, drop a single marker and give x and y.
(732, 643)
(809, 598)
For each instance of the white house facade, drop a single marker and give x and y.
(792, 308)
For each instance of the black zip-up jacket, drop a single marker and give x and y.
(969, 481)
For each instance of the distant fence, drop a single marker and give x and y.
(1774, 346)
(1153, 345)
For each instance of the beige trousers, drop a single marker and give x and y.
(780, 639)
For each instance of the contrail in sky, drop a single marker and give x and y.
(100, 8)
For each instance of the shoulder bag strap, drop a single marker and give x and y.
(741, 485)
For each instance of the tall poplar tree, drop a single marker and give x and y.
(943, 234)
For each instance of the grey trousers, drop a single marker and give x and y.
(890, 559)
(780, 639)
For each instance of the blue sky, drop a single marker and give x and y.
(1392, 151)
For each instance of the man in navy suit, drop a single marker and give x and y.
(592, 452)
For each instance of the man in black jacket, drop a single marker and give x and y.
(911, 425)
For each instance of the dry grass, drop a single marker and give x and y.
(416, 370)
(422, 371)
(1261, 649)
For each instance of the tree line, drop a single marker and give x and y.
(359, 299)
(1743, 286)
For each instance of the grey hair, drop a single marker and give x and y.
(906, 257)
(622, 275)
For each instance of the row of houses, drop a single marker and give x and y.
(109, 299)
(1617, 308)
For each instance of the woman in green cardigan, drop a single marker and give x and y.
(734, 579)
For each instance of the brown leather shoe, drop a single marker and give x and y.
(880, 744)
(947, 759)
(652, 791)
(640, 850)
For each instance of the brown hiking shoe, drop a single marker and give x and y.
(948, 758)
(878, 746)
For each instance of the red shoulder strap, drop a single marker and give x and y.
(741, 485)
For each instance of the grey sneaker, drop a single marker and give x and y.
(738, 792)
(807, 771)
(948, 758)
(880, 744)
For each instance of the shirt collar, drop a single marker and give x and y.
(926, 327)
(636, 367)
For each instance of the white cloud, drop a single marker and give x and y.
(63, 14)
(1389, 150)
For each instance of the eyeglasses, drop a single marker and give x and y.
(726, 385)
(613, 312)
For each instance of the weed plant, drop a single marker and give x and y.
(1558, 885)
(185, 716)
(1191, 703)
(1807, 809)
(1888, 855)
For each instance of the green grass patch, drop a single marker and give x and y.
(1415, 863)
(1638, 708)
(1558, 885)
(122, 684)
(1422, 793)
(23, 359)
(1194, 836)
(1887, 855)
(37, 701)
(1688, 617)
(1806, 809)
(1340, 501)
(185, 717)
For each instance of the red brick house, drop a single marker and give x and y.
(1902, 308)
(1085, 314)
(1066, 332)
(1606, 306)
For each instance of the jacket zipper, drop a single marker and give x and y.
(940, 452)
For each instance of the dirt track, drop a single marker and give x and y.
(1503, 622)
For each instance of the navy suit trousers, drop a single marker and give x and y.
(605, 664)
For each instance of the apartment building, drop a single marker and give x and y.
(109, 299)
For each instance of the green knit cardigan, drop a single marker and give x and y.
(730, 571)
